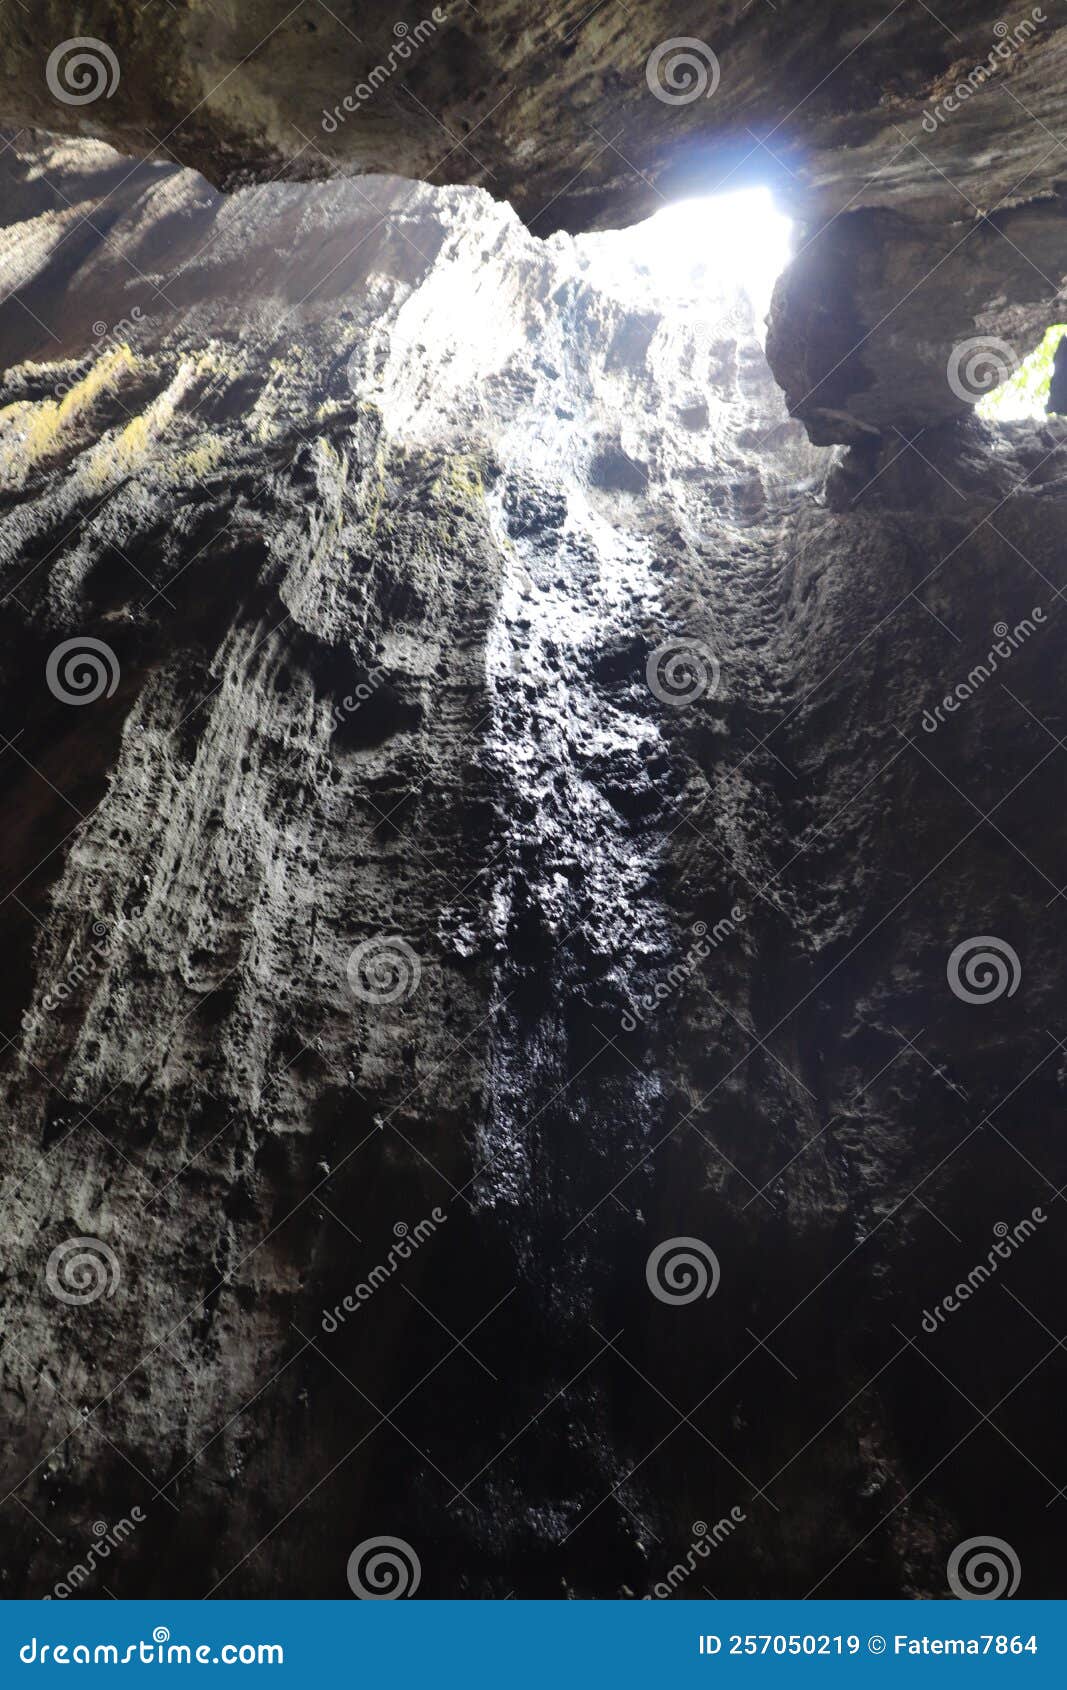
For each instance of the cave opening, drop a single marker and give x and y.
(704, 247)
(1029, 387)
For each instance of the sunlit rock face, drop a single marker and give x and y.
(917, 147)
(405, 947)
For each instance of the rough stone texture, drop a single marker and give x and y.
(551, 108)
(283, 447)
(876, 312)
(920, 147)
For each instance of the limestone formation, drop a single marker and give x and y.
(532, 881)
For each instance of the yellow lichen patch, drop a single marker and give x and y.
(102, 375)
(199, 460)
(461, 476)
(271, 422)
(119, 453)
(34, 431)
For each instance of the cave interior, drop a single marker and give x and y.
(530, 558)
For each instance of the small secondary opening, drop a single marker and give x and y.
(1038, 386)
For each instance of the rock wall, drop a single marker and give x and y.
(497, 838)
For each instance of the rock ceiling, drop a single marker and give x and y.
(921, 151)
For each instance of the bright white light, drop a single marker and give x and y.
(1026, 392)
(723, 244)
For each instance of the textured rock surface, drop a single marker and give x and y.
(553, 110)
(883, 325)
(919, 147)
(371, 442)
